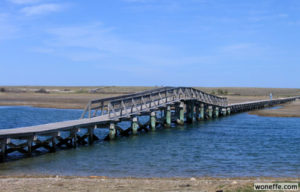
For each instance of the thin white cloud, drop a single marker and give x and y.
(93, 42)
(150, 5)
(22, 2)
(259, 18)
(41, 9)
(101, 41)
(7, 29)
(237, 47)
(240, 51)
(96, 43)
(138, 1)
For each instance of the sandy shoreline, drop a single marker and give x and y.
(100, 183)
(286, 110)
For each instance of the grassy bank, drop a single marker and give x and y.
(78, 97)
(286, 110)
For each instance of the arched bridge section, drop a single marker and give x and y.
(146, 101)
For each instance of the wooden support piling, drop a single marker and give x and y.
(29, 144)
(228, 110)
(134, 125)
(202, 113)
(3, 143)
(73, 137)
(153, 121)
(91, 134)
(53, 144)
(190, 112)
(180, 119)
(168, 117)
(112, 131)
(210, 112)
(224, 111)
(197, 109)
(216, 112)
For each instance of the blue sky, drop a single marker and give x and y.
(254, 43)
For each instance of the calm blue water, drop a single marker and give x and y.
(19, 116)
(239, 145)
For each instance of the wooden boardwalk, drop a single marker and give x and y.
(164, 106)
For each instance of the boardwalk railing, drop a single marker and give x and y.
(126, 105)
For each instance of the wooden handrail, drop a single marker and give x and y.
(160, 95)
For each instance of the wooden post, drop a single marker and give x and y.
(29, 145)
(3, 149)
(91, 134)
(153, 121)
(197, 108)
(90, 110)
(202, 112)
(162, 113)
(134, 125)
(168, 116)
(216, 112)
(228, 111)
(224, 111)
(180, 119)
(73, 136)
(210, 112)
(53, 143)
(112, 131)
(190, 112)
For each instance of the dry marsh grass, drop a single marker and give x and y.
(286, 110)
(76, 97)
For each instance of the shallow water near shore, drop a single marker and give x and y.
(237, 145)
